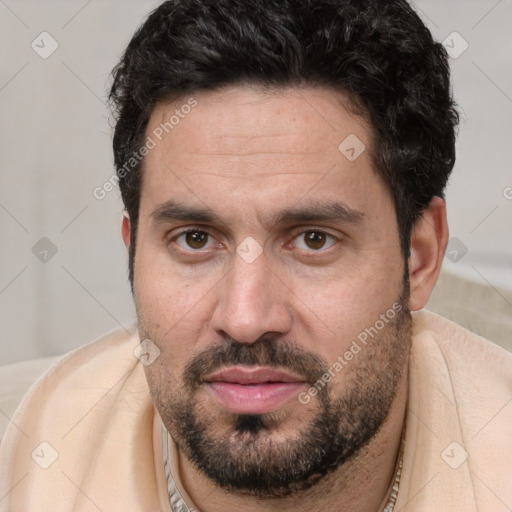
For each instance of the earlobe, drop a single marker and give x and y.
(429, 237)
(126, 229)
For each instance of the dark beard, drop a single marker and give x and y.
(248, 459)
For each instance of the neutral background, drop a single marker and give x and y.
(63, 277)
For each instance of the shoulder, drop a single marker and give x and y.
(461, 385)
(82, 424)
(72, 381)
(466, 354)
(478, 370)
(459, 417)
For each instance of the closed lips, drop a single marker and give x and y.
(252, 375)
(251, 390)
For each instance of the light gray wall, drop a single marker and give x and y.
(55, 148)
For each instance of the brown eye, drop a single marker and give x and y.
(196, 239)
(314, 240)
(193, 239)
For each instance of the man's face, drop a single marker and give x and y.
(266, 252)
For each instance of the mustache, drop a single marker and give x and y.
(266, 351)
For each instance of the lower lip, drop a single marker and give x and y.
(256, 398)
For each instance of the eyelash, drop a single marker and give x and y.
(311, 253)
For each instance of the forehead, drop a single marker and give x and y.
(315, 118)
(242, 141)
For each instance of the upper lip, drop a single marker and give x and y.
(252, 375)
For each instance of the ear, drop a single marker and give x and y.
(126, 229)
(429, 237)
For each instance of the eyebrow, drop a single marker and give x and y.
(172, 211)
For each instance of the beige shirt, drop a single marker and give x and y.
(87, 437)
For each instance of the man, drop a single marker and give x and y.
(282, 165)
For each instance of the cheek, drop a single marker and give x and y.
(167, 298)
(164, 385)
(337, 308)
(171, 312)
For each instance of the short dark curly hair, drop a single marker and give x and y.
(378, 52)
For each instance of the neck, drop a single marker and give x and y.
(361, 484)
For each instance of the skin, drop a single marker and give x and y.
(245, 153)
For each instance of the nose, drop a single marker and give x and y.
(252, 301)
